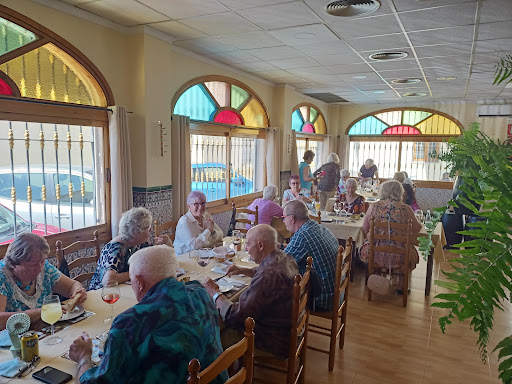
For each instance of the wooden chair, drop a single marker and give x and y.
(295, 366)
(338, 315)
(317, 218)
(236, 211)
(80, 261)
(164, 227)
(403, 247)
(280, 227)
(244, 347)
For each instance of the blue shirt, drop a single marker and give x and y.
(17, 299)
(315, 240)
(153, 341)
(305, 184)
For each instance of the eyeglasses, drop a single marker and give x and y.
(285, 216)
(29, 367)
(294, 183)
(203, 204)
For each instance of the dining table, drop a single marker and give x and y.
(56, 355)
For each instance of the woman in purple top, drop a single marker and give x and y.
(368, 171)
(267, 207)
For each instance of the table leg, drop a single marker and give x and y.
(430, 264)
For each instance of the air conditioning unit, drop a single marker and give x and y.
(494, 110)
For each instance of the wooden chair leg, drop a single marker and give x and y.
(332, 344)
(405, 288)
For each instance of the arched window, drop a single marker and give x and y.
(53, 128)
(405, 139)
(309, 123)
(221, 109)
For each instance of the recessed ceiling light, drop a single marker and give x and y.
(379, 92)
(349, 8)
(359, 77)
(389, 55)
(446, 78)
(414, 94)
(305, 35)
(406, 81)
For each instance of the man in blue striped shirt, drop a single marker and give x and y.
(315, 240)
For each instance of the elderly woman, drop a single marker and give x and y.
(26, 278)
(353, 202)
(329, 178)
(196, 229)
(305, 174)
(390, 208)
(134, 233)
(267, 207)
(344, 175)
(368, 171)
(295, 191)
(400, 177)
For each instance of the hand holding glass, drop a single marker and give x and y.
(110, 294)
(51, 312)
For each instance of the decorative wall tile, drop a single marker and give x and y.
(430, 198)
(158, 200)
(222, 220)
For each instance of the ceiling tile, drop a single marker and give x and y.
(368, 26)
(124, 12)
(440, 17)
(484, 58)
(178, 30)
(274, 74)
(409, 5)
(280, 15)
(391, 65)
(251, 40)
(487, 67)
(220, 24)
(327, 48)
(496, 10)
(257, 66)
(205, 45)
(442, 36)
(75, 2)
(370, 78)
(306, 34)
(403, 73)
(382, 43)
(447, 61)
(459, 72)
(316, 70)
(298, 62)
(244, 4)
(443, 50)
(348, 68)
(495, 30)
(305, 85)
(380, 87)
(232, 57)
(347, 58)
(275, 53)
(498, 45)
(179, 9)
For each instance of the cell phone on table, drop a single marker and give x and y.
(52, 375)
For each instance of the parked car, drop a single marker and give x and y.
(215, 190)
(22, 225)
(50, 180)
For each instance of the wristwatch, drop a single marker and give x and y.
(216, 296)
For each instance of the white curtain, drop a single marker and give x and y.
(180, 162)
(294, 165)
(325, 148)
(120, 166)
(272, 157)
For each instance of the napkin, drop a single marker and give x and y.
(12, 367)
(5, 340)
(220, 269)
(237, 283)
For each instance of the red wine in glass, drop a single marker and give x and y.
(110, 294)
(111, 298)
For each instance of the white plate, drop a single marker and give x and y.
(371, 199)
(77, 311)
(225, 288)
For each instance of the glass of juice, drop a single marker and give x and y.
(51, 312)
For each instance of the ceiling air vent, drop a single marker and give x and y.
(327, 97)
(406, 81)
(349, 8)
(415, 94)
(389, 55)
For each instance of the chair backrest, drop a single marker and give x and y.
(236, 211)
(343, 260)
(299, 324)
(80, 261)
(279, 225)
(244, 347)
(317, 218)
(401, 239)
(165, 227)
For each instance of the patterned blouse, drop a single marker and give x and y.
(359, 201)
(331, 178)
(17, 299)
(112, 258)
(368, 172)
(153, 341)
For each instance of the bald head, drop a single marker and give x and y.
(261, 241)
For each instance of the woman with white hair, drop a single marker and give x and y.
(134, 233)
(267, 207)
(329, 178)
(196, 229)
(344, 176)
(353, 202)
(368, 171)
(390, 208)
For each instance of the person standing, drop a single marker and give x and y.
(305, 174)
(329, 178)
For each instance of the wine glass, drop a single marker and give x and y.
(337, 209)
(236, 239)
(419, 215)
(204, 258)
(193, 255)
(110, 294)
(51, 312)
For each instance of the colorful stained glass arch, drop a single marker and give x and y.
(222, 102)
(308, 119)
(405, 122)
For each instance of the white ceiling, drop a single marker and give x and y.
(297, 43)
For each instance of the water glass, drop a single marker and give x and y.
(419, 215)
(194, 255)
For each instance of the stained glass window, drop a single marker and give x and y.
(13, 36)
(5, 89)
(308, 119)
(222, 102)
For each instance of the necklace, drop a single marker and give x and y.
(26, 288)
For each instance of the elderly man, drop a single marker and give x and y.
(153, 341)
(315, 240)
(268, 299)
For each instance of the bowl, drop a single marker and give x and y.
(222, 254)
